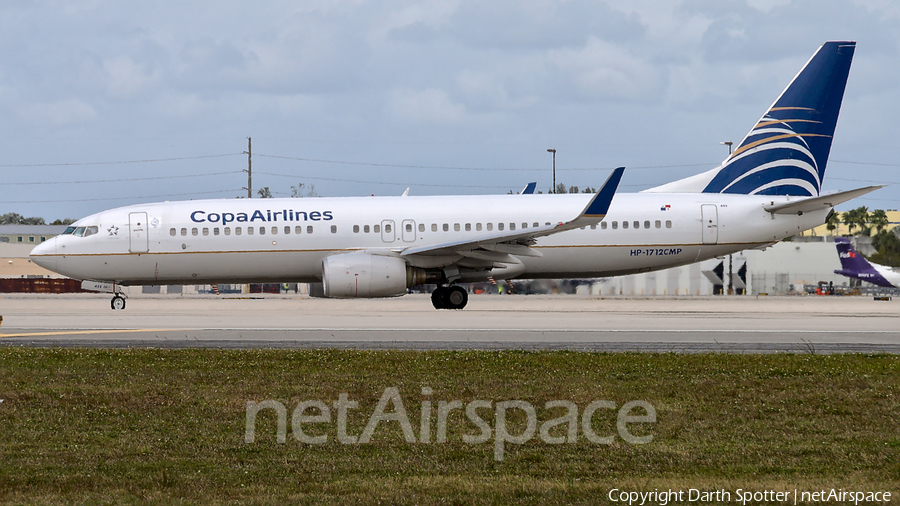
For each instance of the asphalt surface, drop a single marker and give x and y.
(653, 324)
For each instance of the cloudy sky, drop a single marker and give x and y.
(444, 97)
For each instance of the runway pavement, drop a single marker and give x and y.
(677, 324)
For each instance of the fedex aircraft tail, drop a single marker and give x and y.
(786, 152)
(853, 265)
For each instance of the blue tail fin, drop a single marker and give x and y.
(786, 152)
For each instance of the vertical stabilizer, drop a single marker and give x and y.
(853, 265)
(786, 152)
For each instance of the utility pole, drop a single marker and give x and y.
(730, 262)
(249, 170)
(551, 150)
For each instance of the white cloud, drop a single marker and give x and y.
(126, 79)
(606, 71)
(58, 114)
(426, 106)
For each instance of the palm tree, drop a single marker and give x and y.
(833, 222)
(858, 217)
(879, 220)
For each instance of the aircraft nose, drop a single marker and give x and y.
(44, 254)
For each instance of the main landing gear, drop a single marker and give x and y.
(449, 297)
(118, 302)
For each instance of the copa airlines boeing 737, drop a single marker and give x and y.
(766, 190)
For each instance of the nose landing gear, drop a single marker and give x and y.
(449, 297)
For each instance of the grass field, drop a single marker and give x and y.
(103, 426)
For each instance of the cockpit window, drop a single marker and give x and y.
(79, 232)
(90, 231)
(69, 230)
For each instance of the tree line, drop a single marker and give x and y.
(18, 219)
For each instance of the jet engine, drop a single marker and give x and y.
(363, 275)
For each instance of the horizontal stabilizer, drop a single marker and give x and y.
(818, 203)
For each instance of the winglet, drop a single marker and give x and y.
(599, 205)
(529, 188)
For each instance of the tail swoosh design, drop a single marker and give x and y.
(787, 151)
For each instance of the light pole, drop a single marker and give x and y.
(727, 143)
(551, 150)
(730, 263)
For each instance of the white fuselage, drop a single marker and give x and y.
(210, 241)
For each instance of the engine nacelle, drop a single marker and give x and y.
(362, 275)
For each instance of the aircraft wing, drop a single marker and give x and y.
(516, 242)
(818, 203)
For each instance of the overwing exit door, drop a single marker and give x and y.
(139, 242)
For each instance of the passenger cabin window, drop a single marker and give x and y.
(376, 229)
(456, 227)
(478, 227)
(624, 224)
(434, 227)
(366, 229)
(387, 228)
(195, 231)
(535, 225)
(262, 230)
(524, 225)
(421, 227)
(658, 224)
(668, 223)
(183, 231)
(409, 227)
(205, 231)
(334, 229)
(500, 226)
(172, 232)
(355, 229)
(446, 227)
(637, 224)
(309, 229)
(647, 224)
(594, 226)
(490, 226)
(237, 230)
(227, 230)
(603, 225)
(298, 229)
(216, 231)
(287, 229)
(250, 230)
(512, 226)
(615, 225)
(468, 227)
(274, 230)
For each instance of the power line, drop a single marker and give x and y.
(121, 198)
(382, 182)
(124, 180)
(867, 163)
(441, 167)
(119, 162)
